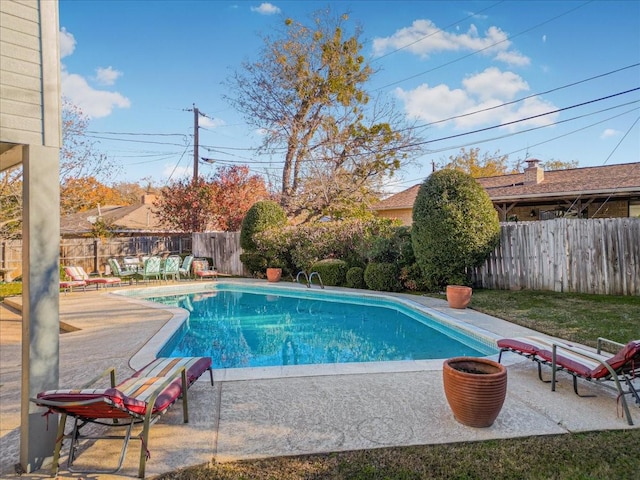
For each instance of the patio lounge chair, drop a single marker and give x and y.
(78, 273)
(69, 285)
(579, 362)
(120, 272)
(142, 398)
(201, 269)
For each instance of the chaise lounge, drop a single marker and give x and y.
(140, 399)
(623, 367)
(79, 274)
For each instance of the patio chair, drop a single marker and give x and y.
(579, 362)
(120, 272)
(140, 399)
(79, 274)
(69, 285)
(185, 269)
(151, 268)
(201, 269)
(171, 268)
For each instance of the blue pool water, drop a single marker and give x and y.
(245, 328)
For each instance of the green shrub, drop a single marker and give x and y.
(455, 227)
(382, 277)
(254, 262)
(261, 216)
(333, 272)
(395, 247)
(355, 278)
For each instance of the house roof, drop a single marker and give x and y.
(614, 180)
(123, 219)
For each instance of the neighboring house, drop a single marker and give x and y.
(127, 220)
(590, 192)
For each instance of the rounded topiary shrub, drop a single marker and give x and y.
(261, 216)
(382, 277)
(355, 278)
(333, 272)
(455, 227)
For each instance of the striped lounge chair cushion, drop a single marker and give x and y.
(163, 367)
(129, 397)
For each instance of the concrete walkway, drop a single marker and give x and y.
(308, 410)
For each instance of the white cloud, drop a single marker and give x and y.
(207, 122)
(266, 9)
(94, 103)
(424, 38)
(544, 39)
(610, 132)
(107, 76)
(483, 91)
(67, 43)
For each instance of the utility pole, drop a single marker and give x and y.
(196, 114)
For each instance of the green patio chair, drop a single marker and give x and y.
(152, 268)
(185, 269)
(171, 268)
(121, 273)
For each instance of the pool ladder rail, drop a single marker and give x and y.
(309, 277)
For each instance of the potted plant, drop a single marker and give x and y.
(274, 274)
(475, 389)
(459, 296)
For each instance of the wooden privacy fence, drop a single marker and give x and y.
(223, 248)
(566, 255)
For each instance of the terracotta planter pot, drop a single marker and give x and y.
(274, 274)
(458, 296)
(475, 389)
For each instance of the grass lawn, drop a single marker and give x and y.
(592, 455)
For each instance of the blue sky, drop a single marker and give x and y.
(137, 67)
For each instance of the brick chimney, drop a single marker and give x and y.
(533, 174)
(148, 199)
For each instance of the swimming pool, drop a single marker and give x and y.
(242, 326)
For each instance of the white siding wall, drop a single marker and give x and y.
(21, 93)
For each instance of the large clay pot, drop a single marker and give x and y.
(475, 389)
(458, 296)
(274, 274)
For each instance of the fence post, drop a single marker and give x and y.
(95, 256)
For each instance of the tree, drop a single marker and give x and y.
(11, 203)
(479, 166)
(306, 93)
(81, 194)
(455, 227)
(79, 156)
(559, 164)
(185, 205)
(234, 191)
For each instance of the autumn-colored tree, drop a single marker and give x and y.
(477, 165)
(185, 205)
(234, 191)
(306, 93)
(81, 194)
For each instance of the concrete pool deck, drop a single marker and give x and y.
(263, 415)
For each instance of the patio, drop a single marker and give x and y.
(242, 418)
